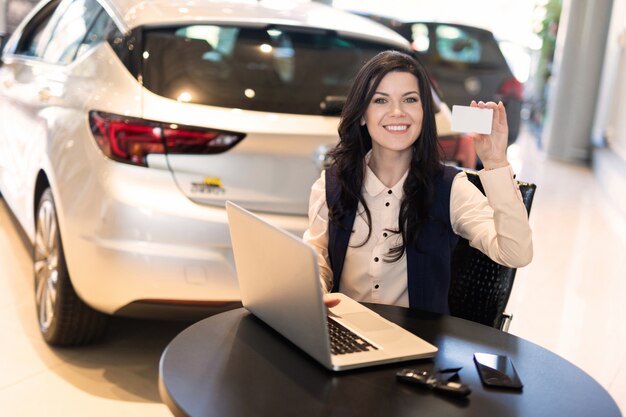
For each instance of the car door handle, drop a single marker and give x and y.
(45, 94)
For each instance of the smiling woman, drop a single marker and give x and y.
(386, 214)
(394, 119)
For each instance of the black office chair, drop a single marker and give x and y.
(479, 287)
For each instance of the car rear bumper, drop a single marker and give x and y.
(133, 237)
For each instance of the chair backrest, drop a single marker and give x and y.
(479, 287)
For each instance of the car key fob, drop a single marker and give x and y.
(427, 379)
(415, 377)
(452, 388)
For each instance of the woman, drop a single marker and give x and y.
(385, 217)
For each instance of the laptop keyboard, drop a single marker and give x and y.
(343, 341)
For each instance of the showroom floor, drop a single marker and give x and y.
(570, 299)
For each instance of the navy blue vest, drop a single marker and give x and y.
(428, 270)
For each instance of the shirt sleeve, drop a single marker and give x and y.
(497, 224)
(317, 233)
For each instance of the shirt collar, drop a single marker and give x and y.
(373, 186)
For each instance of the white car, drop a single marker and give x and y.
(125, 126)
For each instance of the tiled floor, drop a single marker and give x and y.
(569, 300)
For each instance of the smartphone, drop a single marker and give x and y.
(497, 370)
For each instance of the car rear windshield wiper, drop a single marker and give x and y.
(332, 105)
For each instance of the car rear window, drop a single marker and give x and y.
(455, 44)
(279, 69)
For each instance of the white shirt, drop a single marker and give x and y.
(497, 225)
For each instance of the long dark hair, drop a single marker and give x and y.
(348, 157)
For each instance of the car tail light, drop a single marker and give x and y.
(511, 87)
(131, 140)
(448, 146)
(458, 149)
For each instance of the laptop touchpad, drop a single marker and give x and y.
(366, 322)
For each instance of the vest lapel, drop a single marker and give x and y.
(428, 281)
(338, 237)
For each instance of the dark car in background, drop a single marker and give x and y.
(465, 63)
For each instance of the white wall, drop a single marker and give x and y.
(615, 97)
(609, 121)
(609, 163)
(3, 16)
(616, 127)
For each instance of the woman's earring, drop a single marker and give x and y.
(362, 121)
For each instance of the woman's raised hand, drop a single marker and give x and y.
(491, 149)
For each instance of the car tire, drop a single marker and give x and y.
(64, 319)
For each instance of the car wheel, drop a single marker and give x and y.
(64, 319)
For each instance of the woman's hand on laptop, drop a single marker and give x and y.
(331, 300)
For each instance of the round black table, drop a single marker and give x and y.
(233, 365)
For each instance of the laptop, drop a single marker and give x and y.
(279, 283)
